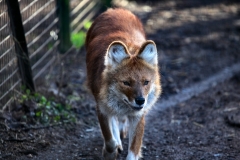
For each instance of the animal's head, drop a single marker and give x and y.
(133, 78)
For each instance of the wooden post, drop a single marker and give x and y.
(63, 12)
(20, 44)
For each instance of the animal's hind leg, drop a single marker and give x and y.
(123, 126)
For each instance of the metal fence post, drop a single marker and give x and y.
(106, 4)
(20, 44)
(63, 12)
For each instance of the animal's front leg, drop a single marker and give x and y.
(111, 136)
(123, 126)
(136, 131)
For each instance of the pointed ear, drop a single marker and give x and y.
(116, 52)
(148, 52)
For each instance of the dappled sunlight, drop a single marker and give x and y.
(196, 117)
(189, 36)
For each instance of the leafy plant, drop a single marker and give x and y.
(78, 39)
(87, 25)
(44, 111)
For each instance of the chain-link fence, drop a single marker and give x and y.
(40, 21)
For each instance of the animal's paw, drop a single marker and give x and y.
(132, 156)
(120, 149)
(109, 155)
(111, 150)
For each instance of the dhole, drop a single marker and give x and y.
(122, 73)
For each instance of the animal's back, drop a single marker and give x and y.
(112, 25)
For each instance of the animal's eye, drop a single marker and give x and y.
(145, 83)
(126, 83)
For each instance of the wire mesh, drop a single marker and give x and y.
(83, 11)
(9, 77)
(40, 24)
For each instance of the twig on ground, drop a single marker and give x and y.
(26, 152)
(41, 127)
(18, 140)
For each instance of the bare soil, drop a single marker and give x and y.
(195, 40)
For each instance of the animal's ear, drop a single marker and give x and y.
(116, 52)
(148, 52)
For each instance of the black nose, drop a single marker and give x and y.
(139, 100)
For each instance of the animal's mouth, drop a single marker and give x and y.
(138, 108)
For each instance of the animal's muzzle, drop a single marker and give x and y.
(139, 101)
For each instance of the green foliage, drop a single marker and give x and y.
(78, 39)
(45, 111)
(87, 25)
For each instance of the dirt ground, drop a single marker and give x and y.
(195, 40)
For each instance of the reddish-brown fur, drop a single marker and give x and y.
(136, 144)
(135, 66)
(121, 27)
(113, 25)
